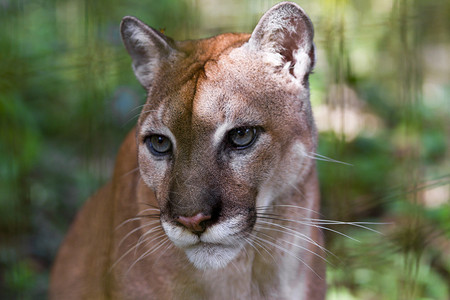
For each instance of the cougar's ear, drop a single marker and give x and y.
(147, 48)
(286, 33)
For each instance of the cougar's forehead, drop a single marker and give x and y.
(234, 90)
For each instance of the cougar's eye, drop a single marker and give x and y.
(242, 137)
(158, 144)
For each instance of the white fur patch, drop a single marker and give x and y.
(303, 64)
(211, 256)
(223, 232)
(274, 33)
(220, 133)
(214, 249)
(181, 237)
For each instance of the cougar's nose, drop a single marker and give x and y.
(196, 223)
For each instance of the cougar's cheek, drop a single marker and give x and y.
(152, 172)
(289, 171)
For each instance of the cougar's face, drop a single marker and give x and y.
(226, 129)
(220, 147)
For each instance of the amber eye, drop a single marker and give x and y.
(242, 137)
(158, 144)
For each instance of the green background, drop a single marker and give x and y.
(380, 92)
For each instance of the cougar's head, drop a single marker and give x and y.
(226, 127)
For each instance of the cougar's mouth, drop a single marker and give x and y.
(218, 245)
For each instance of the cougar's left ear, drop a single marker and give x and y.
(286, 33)
(147, 47)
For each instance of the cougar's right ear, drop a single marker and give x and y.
(147, 48)
(286, 33)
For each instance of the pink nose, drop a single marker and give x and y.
(195, 223)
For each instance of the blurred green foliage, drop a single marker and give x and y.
(68, 97)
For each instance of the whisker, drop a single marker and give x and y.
(151, 205)
(137, 115)
(329, 229)
(130, 172)
(142, 239)
(320, 157)
(324, 221)
(261, 246)
(302, 194)
(149, 216)
(288, 206)
(125, 254)
(148, 209)
(295, 245)
(287, 252)
(318, 222)
(147, 242)
(238, 270)
(245, 248)
(150, 251)
(170, 245)
(134, 230)
(131, 119)
(297, 234)
(137, 107)
(290, 230)
(149, 110)
(250, 243)
(355, 224)
(137, 218)
(121, 257)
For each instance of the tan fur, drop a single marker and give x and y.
(197, 92)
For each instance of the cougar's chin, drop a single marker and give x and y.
(210, 256)
(214, 248)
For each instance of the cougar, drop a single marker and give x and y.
(214, 192)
